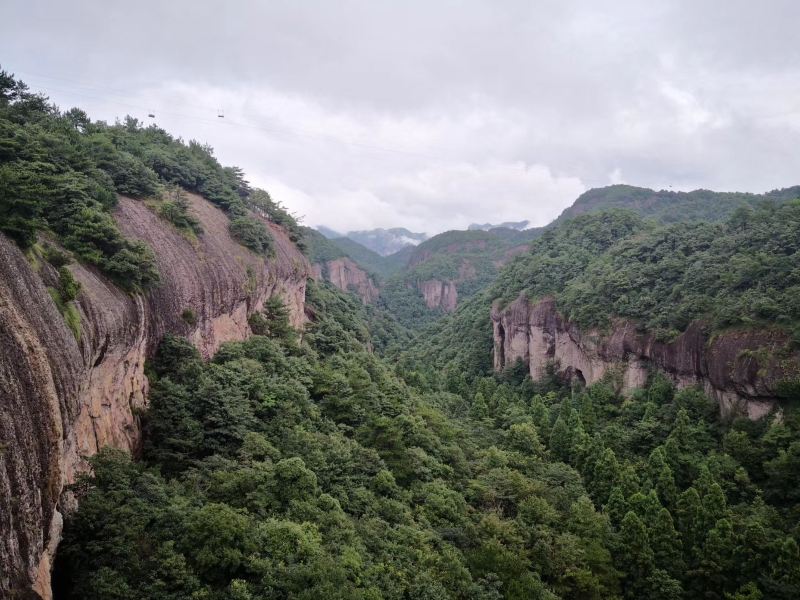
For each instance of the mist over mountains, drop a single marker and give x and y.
(518, 225)
(382, 241)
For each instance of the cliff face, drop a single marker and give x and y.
(439, 294)
(741, 370)
(61, 400)
(346, 275)
(443, 294)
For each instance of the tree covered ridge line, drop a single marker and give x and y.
(289, 468)
(60, 172)
(669, 207)
(744, 272)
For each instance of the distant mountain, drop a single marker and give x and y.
(387, 241)
(667, 206)
(329, 233)
(384, 266)
(518, 225)
(322, 249)
(382, 241)
(449, 267)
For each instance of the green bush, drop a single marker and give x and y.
(175, 209)
(252, 234)
(68, 286)
(189, 316)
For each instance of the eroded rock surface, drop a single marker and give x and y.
(348, 276)
(740, 369)
(439, 294)
(443, 294)
(61, 399)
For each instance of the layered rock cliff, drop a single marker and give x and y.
(439, 294)
(62, 399)
(742, 370)
(348, 276)
(443, 293)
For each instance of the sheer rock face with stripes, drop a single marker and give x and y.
(742, 370)
(64, 396)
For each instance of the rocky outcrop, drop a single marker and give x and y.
(348, 276)
(443, 294)
(439, 294)
(742, 370)
(61, 399)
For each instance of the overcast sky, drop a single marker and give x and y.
(435, 114)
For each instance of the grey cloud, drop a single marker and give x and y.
(432, 115)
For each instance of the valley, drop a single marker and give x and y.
(200, 397)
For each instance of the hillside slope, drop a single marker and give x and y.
(331, 263)
(448, 268)
(610, 295)
(91, 279)
(82, 394)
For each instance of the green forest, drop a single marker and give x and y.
(290, 468)
(375, 454)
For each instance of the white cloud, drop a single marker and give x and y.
(432, 116)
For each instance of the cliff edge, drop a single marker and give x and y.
(742, 369)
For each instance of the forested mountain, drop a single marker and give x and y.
(325, 248)
(666, 206)
(431, 279)
(448, 268)
(580, 425)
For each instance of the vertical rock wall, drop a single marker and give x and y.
(61, 400)
(348, 276)
(740, 369)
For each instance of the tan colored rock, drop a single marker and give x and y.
(348, 276)
(739, 368)
(439, 294)
(61, 401)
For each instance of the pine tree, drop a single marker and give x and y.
(616, 508)
(665, 487)
(646, 506)
(479, 409)
(587, 412)
(655, 463)
(605, 475)
(690, 522)
(714, 506)
(666, 544)
(561, 440)
(541, 416)
(634, 556)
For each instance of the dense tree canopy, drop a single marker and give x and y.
(315, 468)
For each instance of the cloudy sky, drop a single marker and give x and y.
(433, 114)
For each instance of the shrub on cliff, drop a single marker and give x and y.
(252, 234)
(175, 209)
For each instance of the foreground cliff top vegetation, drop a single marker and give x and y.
(60, 172)
(316, 469)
